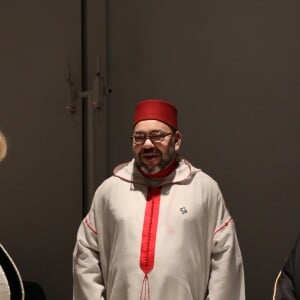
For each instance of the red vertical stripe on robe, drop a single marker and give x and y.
(149, 238)
(149, 230)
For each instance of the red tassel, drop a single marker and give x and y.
(145, 292)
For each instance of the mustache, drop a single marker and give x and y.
(149, 151)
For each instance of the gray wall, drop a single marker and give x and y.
(42, 180)
(232, 68)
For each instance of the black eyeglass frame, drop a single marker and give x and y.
(160, 136)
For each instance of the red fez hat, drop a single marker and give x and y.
(156, 109)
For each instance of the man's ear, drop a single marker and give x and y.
(178, 139)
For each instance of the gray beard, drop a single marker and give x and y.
(171, 155)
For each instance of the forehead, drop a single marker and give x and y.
(151, 125)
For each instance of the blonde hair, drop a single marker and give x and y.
(3, 146)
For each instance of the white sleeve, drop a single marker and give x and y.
(88, 281)
(227, 272)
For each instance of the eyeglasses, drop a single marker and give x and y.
(155, 138)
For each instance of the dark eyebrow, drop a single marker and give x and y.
(156, 131)
(139, 132)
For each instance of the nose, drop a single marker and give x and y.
(148, 144)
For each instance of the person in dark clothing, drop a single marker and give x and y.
(287, 284)
(12, 287)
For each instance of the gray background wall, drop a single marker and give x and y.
(43, 180)
(232, 69)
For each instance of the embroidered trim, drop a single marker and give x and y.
(224, 225)
(149, 238)
(86, 221)
(275, 285)
(149, 230)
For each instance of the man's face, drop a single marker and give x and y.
(151, 156)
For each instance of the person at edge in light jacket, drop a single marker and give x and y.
(3, 146)
(287, 284)
(158, 228)
(11, 285)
